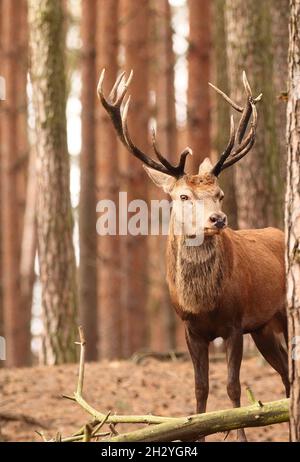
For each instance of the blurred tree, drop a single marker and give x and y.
(199, 75)
(109, 290)
(29, 242)
(87, 205)
(292, 218)
(279, 40)
(54, 214)
(134, 23)
(221, 113)
(163, 321)
(27, 189)
(259, 186)
(1, 116)
(13, 179)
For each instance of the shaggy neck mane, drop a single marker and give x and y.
(196, 272)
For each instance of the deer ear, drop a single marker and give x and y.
(163, 180)
(205, 167)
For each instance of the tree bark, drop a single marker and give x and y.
(14, 155)
(280, 44)
(29, 240)
(292, 217)
(161, 313)
(258, 182)
(108, 186)
(199, 76)
(135, 36)
(87, 206)
(54, 213)
(221, 113)
(1, 156)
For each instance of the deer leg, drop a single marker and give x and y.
(273, 352)
(198, 348)
(234, 354)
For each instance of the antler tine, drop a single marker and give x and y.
(100, 88)
(114, 91)
(132, 147)
(231, 155)
(229, 100)
(226, 153)
(183, 156)
(120, 98)
(247, 85)
(248, 89)
(247, 111)
(179, 168)
(158, 154)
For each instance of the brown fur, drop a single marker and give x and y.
(237, 277)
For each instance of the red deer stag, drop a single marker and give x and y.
(234, 282)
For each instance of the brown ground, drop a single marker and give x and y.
(164, 388)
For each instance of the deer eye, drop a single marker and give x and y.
(184, 197)
(219, 196)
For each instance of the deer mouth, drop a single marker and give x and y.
(212, 231)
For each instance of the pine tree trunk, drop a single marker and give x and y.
(135, 35)
(221, 114)
(280, 44)
(161, 312)
(87, 206)
(109, 293)
(1, 156)
(199, 76)
(292, 218)
(29, 241)
(54, 213)
(14, 154)
(258, 182)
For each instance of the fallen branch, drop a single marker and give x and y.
(166, 429)
(196, 426)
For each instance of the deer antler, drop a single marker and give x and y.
(238, 145)
(118, 115)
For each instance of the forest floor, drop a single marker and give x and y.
(164, 388)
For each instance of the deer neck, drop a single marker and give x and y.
(195, 273)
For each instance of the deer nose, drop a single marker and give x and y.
(218, 220)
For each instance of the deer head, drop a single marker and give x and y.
(184, 188)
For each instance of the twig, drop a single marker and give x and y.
(71, 439)
(9, 416)
(251, 397)
(58, 437)
(87, 433)
(71, 398)
(113, 429)
(81, 362)
(41, 434)
(146, 419)
(99, 416)
(100, 425)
